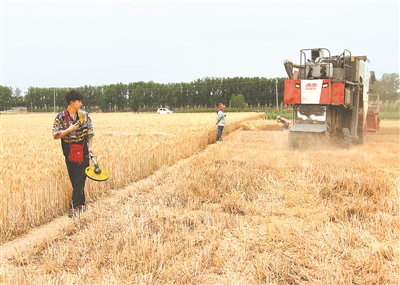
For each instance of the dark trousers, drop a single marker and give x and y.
(220, 130)
(77, 176)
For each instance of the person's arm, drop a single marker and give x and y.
(66, 132)
(59, 131)
(90, 134)
(219, 117)
(89, 142)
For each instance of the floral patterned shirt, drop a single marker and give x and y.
(85, 126)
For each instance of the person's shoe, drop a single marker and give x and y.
(72, 213)
(81, 208)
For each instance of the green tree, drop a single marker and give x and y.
(90, 94)
(61, 104)
(135, 95)
(237, 101)
(17, 98)
(122, 97)
(134, 102)
(388, 87)
(5, 98)
(34, 98)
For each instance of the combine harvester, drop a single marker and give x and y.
(330, 96)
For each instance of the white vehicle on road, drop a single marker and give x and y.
(164, 111)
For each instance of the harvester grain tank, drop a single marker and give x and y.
(330, 95)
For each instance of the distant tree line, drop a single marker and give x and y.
(255, 92)
(202, 93)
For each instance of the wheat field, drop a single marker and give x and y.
(246, 211)
(34, 181)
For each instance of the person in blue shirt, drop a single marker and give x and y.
(220, 121)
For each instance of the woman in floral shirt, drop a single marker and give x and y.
(74, 126)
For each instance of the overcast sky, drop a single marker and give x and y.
(77, 43)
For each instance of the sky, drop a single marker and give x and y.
(49, 44)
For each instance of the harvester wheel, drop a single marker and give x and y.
(346, 138)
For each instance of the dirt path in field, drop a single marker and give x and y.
(52, 230)
(49, 230)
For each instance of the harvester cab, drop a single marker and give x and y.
(329, 95)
